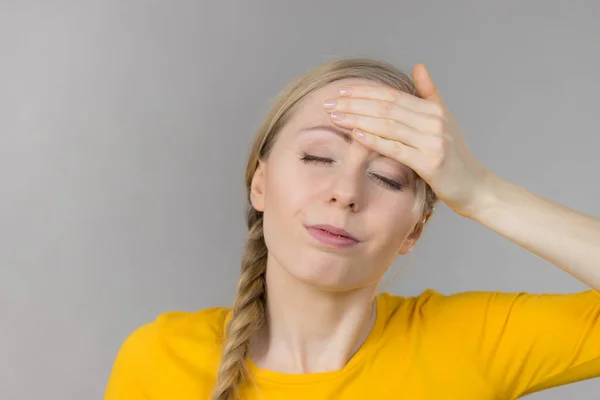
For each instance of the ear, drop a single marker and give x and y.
(413, 238)
(257, 188)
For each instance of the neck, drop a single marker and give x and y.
(310, 329)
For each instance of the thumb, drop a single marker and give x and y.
(425, 86)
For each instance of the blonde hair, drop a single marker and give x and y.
(249, 308)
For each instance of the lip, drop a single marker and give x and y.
(332, 236)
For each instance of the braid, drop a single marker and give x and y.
(248, 313)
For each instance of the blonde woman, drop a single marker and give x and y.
(341, 179)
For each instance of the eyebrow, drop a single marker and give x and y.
(331, 128)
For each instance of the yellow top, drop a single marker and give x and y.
(474, 345)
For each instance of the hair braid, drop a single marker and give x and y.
(248, 313)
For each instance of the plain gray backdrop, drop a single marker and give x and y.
(125, 127)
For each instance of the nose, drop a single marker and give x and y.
(346, 191)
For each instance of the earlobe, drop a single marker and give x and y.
(407, 246)
(412, 239)
(257, 188)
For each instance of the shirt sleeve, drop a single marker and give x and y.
(130, 369)
(524, 343)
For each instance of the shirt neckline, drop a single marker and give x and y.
(367, 348)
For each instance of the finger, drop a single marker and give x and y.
(423, 124)
(385, 128)
(391, 95)
(382, 109)
(426, 88)
(395, 150)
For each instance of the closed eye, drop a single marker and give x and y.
(310, 159)
(388, 183)
(396, 185)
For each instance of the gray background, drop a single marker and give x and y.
(124, 131)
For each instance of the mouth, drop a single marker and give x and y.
(332, 236)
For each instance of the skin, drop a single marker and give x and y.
(320, 298)
(320, 302)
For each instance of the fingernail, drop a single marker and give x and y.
(360, 134)
(345, 91)
(329, 104)
(338, 116)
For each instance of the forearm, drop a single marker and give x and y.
(564, 237)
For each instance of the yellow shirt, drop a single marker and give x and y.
(474, 345)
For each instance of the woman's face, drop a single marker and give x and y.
(318, 186)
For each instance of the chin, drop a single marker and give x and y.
(327, 272)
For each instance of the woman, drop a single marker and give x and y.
(342, 177)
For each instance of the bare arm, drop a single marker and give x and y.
(566, 238)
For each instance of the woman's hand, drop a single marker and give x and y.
(419, 132)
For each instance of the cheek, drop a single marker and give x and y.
(394, 220)
(288, 187)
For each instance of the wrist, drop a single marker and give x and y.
(486, 197)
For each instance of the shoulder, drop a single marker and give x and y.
(155, 354)
(207, 325)
(175, 333)
(431, 306)
(423, 304)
